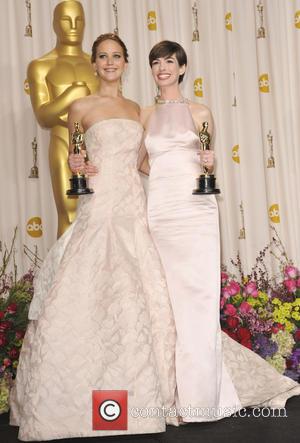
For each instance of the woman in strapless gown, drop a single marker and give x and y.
(100, 317)
(213, 372)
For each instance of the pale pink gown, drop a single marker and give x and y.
(101, 316)
(213, 372)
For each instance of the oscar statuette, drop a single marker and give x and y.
(34, 172)
(206, 182)
(78, 181)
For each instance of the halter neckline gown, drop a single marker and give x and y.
(213, 371)
(101, 314)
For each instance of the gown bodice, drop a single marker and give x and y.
(172, 141)
(113, 144)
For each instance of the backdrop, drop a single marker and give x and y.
(249, 77)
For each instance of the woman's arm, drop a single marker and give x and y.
(143, 159)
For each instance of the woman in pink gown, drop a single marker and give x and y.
(99, 321)
(213, 373)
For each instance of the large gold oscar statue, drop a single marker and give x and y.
(55, 80)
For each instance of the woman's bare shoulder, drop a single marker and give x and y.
(200, 109)
(133, 105)
(81, 105)
(146, 113)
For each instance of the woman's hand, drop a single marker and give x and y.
(207, 158)
(78, 165)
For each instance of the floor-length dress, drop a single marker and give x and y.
(101, 316)
(213, 372)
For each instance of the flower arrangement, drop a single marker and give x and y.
(263, 313)
(15, 297)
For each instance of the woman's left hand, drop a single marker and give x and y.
(207, 159)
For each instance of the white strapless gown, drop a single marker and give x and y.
(101, 317)
(213, 372)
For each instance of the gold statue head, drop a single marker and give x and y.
(68, 22)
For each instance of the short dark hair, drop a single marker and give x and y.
(108, 36)
(165, 49)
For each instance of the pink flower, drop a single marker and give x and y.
(19, 334)
(251, 289)
(298, 282)
(231, 334)
(297, 335)
(12, 308)
(291, 271)
(245, 307)
(230, 310)
(233, 288)
(4, 325)
(243, 334)
(3, 340)
(290, 285)
(232, 322)
(13, 353)
(6, 362)
(224, 277)
(225, 293)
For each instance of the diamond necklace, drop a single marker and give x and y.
(161, 101)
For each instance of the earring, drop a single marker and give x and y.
(157, 91)
(96, 74)
(120, 86)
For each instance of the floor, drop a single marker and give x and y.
(285, 427)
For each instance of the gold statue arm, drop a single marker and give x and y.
(50, 110)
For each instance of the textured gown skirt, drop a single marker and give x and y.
(100, 317)
(213, 372)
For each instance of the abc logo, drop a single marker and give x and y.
(228, 21)
(264, 85)
(274, 213)
(297, 19)
(198, 87)
(26, 86)
(235, 154)
(34, 227)
(151, 20)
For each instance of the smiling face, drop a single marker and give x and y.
(109, 61)
(166, 70)
(68, 22)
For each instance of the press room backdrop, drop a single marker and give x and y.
(250, 83)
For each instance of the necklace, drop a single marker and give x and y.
(161, 101)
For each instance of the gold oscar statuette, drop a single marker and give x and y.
(78, 181)
(271, 158)
(28, 27)
(34, 172)
(195, 17)
(261, 32)
(206, 182)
